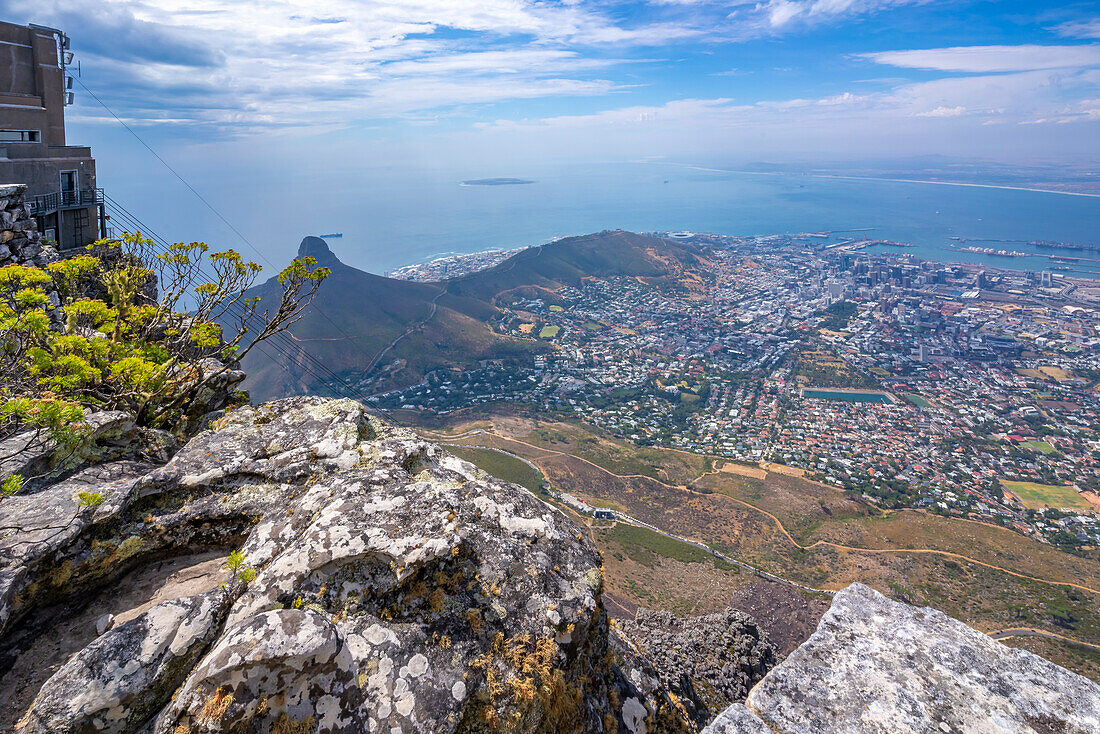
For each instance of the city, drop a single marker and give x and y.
(963, 389)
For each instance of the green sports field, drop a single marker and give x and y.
(1037, 496)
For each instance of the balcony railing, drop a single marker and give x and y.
(49, 203)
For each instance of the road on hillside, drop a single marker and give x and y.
(997, 635)
(623, 517)
(431, 314)
(1032, 632)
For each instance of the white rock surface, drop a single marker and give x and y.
(876, 666)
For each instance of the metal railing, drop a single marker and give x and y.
(48, 203)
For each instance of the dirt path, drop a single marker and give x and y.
(1032, 632)
(779, 524)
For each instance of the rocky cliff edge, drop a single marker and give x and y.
(876, 666)
(385, 585)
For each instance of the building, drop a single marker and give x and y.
(60, 178)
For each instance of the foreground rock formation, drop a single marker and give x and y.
(882, 667)
(385, 585)
(707, 662)
(381, 584)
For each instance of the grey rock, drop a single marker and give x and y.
(395, 586)
(708, 662)
(879, 666)
(214, 383)
(19, 236)
(32, 453)
(103, 623)
(737, 719)
(42, 538)
(123, 677)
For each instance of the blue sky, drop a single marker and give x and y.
(407, 82)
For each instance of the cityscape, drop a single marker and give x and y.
(962, 389)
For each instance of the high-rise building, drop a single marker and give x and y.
(35, 88)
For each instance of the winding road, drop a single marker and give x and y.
(1032, 632)
(778, 523)
(1001, 634)
(431, 315)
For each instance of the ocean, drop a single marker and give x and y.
(394, 217)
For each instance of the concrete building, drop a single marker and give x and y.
(60, 178)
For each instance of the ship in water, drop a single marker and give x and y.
(992, 251)
(331, 236)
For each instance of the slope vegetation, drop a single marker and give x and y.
(366, 327)
(568, 261)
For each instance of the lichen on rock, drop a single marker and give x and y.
(394, 586)
(877, 666)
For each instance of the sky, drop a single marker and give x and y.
(707, 79)
(233, 91)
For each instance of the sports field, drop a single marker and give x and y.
(1038, 496)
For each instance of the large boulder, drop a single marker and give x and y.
(386, 585)
(122, 678)
(876, 666)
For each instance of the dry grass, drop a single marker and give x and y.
(814, 515)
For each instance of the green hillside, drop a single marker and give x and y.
(567, 261)
(393, 332)
(357, 315)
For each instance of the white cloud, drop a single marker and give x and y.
(242, 66)
(1080, 28)
(950, 113)
(942, 111)
(986, 59)
(780, 13)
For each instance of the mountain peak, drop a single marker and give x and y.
(318, 249)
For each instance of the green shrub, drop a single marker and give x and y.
(125, 327)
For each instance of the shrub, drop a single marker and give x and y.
(126, 327)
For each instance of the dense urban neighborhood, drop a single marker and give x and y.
(961, 389)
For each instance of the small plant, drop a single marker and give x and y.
(11, 485)
(238, 569)
(126, 327)
(89, 499)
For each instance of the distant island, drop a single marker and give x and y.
(496, 182)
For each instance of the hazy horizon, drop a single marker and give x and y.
(239, 97)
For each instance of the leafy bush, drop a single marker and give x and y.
(127, 327)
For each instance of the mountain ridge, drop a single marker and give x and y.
(366, 326)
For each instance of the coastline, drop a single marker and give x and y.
(880, 178)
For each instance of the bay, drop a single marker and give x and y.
(393, 217)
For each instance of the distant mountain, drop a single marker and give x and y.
(394, 331)
(358, 322)
(567, 261)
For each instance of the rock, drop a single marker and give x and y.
(103, 623)
(395, 586)
(213, 396)
(879, 666)
(737, 719)
(120, 679)
(708, 662)
(31, 453)
(41, 539)
(18, 231)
